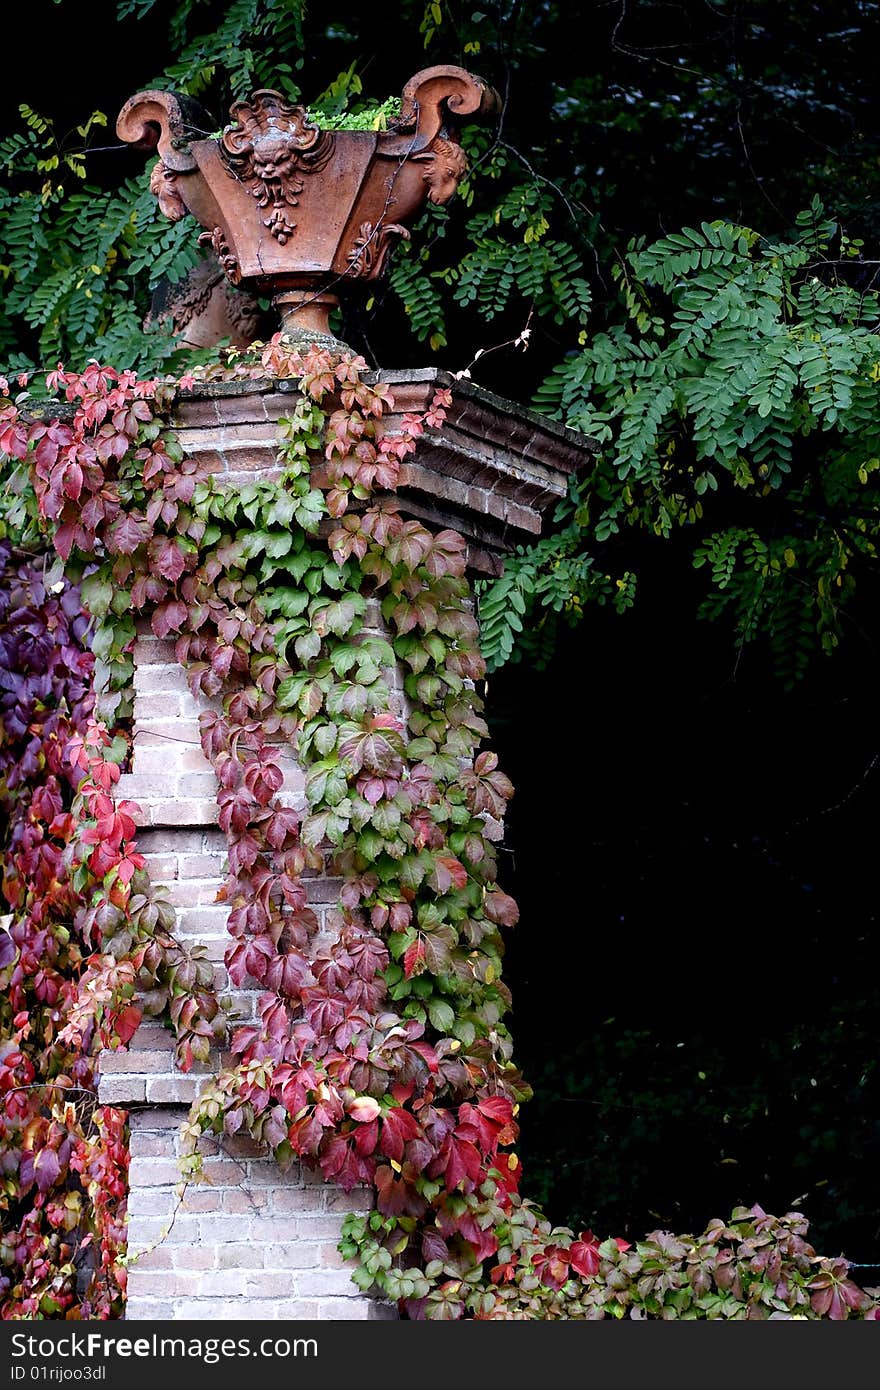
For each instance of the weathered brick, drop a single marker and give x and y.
(153, 1172)
(155, 1120)
(295, 1309)
(182, 1281)
(143, 1231)
(165, 1089)
(223, 1229)
(275, 1283)
(293, 1254)
(237, 409)
(162, 868)
(185, 1229)
(151, 1145)
(198, 412)
(121, 1090)
(343, 1310)
(358, 1200)
(199, 865)
(152, 757)
(215, 950)
(175, 842)
(303, 1201)
(173, 734)
(287, 1197)
(202, 1200)
(223, 1281)
(326, 1283)
(157, 1259)
(139, 1062)
(181, 812)
(198, 784)
(379, 1311)
(208, 919)
(194, 1256)
(323, 890)
(208, 436)
(241, 1146)
(243, 1200)
(147, 1309)
(158, 704)
(245, 457)
(241, 1256)
(153, 651)
(240, 432)
(237, 477)
(194, 892)
(154, 1201)
(207, 460)
(311, 1177)
(315, 1226)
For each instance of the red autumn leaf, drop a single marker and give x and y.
(365, 1137)
(147, 588)
(168, 557)
(553, 1265)
(585, 1254)
(126, 534)
(500, 907)
(447, 555)
(448, 873)
(169, 617)
(399, 1127)
(396, 1196)
(463, 1165)
(46, 1169)
(340, 1162)
(126, 1022)
(305, 1134)
(427, 1053)
(282, 826)
(414, 962)
(364, 1109)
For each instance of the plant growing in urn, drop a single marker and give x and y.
(296, 211)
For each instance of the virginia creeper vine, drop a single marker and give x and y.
(381, 1055)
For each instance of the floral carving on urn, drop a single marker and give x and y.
(296, 211)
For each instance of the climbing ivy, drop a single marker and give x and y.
(381, 1055)
(81, 929)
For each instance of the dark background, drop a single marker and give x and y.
(694, 976)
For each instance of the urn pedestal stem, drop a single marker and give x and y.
(305, 317)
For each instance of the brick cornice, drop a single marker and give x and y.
(492, 472)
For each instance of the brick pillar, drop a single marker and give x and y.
(249, 1241)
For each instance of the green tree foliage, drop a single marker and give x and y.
(737, 399)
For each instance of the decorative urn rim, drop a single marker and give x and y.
(299, 212)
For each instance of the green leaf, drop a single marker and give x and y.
(442, 1016)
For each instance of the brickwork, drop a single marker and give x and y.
(249, 1241)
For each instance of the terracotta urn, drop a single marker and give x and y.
(297, 212)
